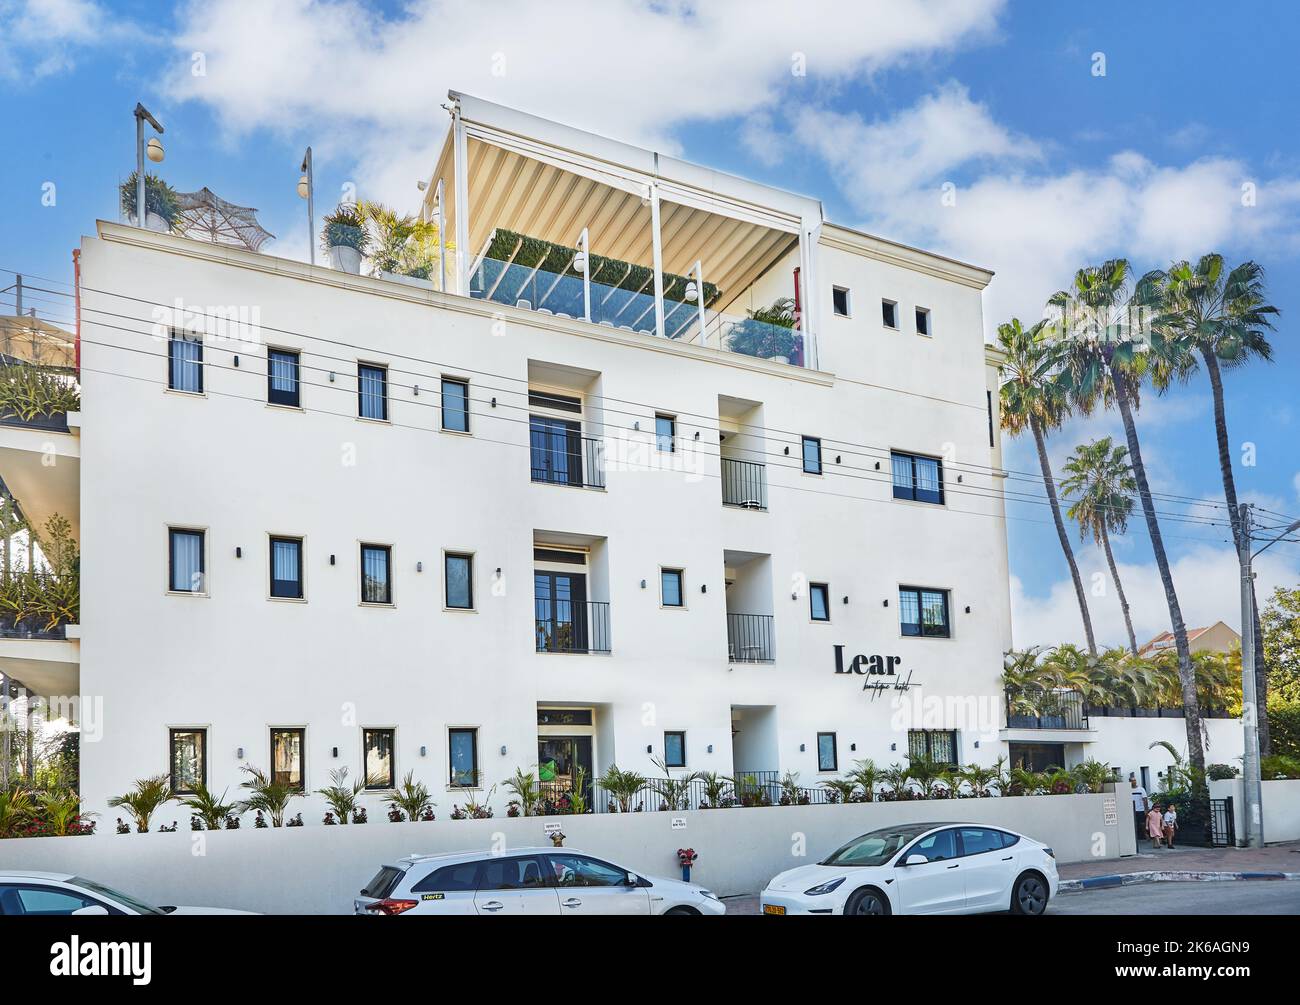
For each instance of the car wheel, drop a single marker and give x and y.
(681, 912)
(1029, 895)
(867, 901)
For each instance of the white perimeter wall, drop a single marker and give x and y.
(1125, 743)
(317, 870)
(1280, 806)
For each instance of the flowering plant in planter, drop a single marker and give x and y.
(359, 815)
(329, 820)
(296, 821)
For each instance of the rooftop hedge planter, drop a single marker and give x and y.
(344, 238)
(37, 396)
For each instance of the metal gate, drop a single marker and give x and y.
(1222, 830)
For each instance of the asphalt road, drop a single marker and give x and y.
(1237, 897)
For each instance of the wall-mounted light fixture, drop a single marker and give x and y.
(959, 478)
(643, 584)
(503, 750)
(837, 458)
(419, 566)
(239, 753)
(697, 434)
(877, 465)
(893, 746)
(239, 552)
(802, 748)
(236, 362)
(331, 376)
(332, 560)
(649, 749)
(787, 451)
(977, 745)
(415, 390)
(494, 403)
(794, 595)
(968, 608)
(710, 748)
(853, 746)
(636, 426)
(885, 602)
(334, 751)
(424, 751)
(498, 572)
(846, 599)
(704, 588)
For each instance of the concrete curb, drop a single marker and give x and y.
(1166, 876)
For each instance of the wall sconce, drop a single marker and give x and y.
(239, 753)
(239, 552)
(494, 403)
(419, 566)
(415, 390)
(877, 465)
(697, 434)
(334, 751)
(853, 746)
(893, 746)
(331, 560)
(710, 748)
(794, 596)
(636, 426)
(236, 362)
(977, 745)
(968, 608)
(424, 751)
(331, 376)
(787, 451)
(837, 458)
(498, 572)
(846, 598)
(503, 750)
(885, 602)
(959, 478)
(802, 748)
(649, 749)
(704, 588)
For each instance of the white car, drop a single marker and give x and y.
(526, 881)
(924, 868)
(59, 893)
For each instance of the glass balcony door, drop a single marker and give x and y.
(556, 448)
(560, 601)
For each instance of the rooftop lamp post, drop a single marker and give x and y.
(154, 151)
(307, 190)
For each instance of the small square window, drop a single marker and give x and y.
(458, 580)
(917, 478)
(282, 384)
(185, 561)
(372, 392)
(286, 568)
(376, 574)
(812, 455)
(189, 759)
(889, 313)
(287, 752)
(671, 592)
(923, 612)
(922, 321)
(185, 362)
(665, 433)
(819, 602)
(827, 756)
(840, 301)
(455, 405)
(675, 749)
(462, 755)
(380, 759)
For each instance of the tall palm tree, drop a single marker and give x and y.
(1100, 347)
(1031, 398)
(1222, 317)
(1102, 486)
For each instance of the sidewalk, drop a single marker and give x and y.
(1280, 858)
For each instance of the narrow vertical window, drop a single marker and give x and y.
(189, 760)
(282, 378)
(372, 392)
(812, 455)
(922, 321)
(455, 405)
(889, 313)
(462, 755)
(670, 588)
(185, 362)
(840, 301)
(376, 574)
(287, 752)
(185, 561)
(459, 581)
(819, 602)
(827, 755)
(665, 433)
(675, 749)
(286, 567)
(380, 758)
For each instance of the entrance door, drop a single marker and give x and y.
(559, 761)
(560, 602)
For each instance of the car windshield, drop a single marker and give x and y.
(875, 848)
(90, 886)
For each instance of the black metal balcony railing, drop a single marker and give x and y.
(579, 462)
(744, 484)
(563, 626)
(749, 638)
(1045, 708)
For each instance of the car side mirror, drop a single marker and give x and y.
(92, 909)
(916, 859)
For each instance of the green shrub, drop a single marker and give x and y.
(32, 392)
(1284, 727)
(1221, 772)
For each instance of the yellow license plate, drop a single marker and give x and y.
(773, 909)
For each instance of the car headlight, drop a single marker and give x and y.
(824, 888)
(708, 894)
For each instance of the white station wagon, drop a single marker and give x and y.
(526, 881)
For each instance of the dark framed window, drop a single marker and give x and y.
(379, 758)
(828, 758)
(462, 756)
(189, 759)
(288, 750)
(665, 433)
(462, 878)
(671, 592)
(937, 745)
(675, 748)
(376, 574)
(889, 313)
(918, 478)
(455, 405)
(282, 385)
(185, 362)
(812, 455)
(922, 321)
(819, 602)
(923, 612)
(286, 567)
(185, 561)
(458, 581)
(555, 402)
(372, 391)
(840, 301)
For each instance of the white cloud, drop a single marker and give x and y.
(40, 37)
(370, 88)
(1206, 579)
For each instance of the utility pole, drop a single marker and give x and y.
(1250, 784)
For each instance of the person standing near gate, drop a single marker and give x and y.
(1139, 795)
(1155, 826)
(1170, 822)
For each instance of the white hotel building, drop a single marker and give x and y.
(529, 515)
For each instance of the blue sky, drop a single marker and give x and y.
(1054, 164)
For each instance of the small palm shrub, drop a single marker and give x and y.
(210, 809)
(526, 790)
(622, 786)
(715, 787)
(840, 790)
(143, 801)
(266, 796)
(345, 227)
(411, 798)
(15, 810)
(341, 795)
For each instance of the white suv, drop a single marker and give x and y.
(526, 881)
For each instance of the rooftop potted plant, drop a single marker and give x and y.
(344, 238)
(161, 207)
